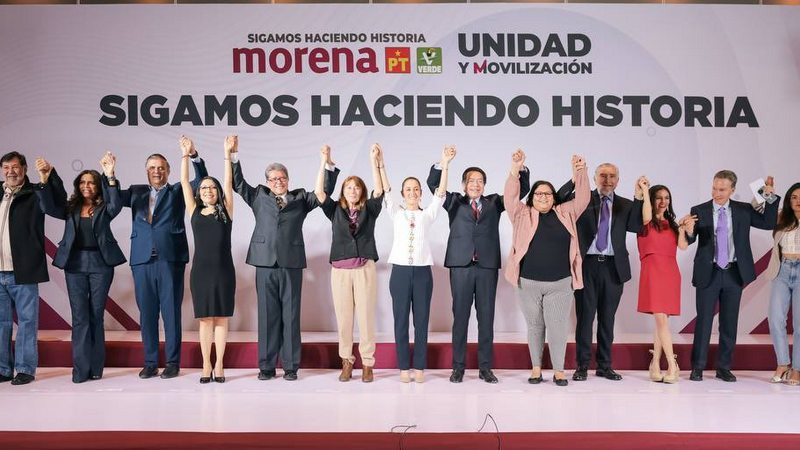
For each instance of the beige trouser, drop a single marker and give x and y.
(355, 291)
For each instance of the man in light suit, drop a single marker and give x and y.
(473, 257)
(159, 253)
(723, 265)
(277, 250)
(602, 234)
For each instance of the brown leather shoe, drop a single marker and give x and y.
(366, 374)
(347, 371)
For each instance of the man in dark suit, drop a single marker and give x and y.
(602, 233)
(159, 253)
(723, 265)
(473, 257)
(277, 250)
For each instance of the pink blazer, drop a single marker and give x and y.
(525, 219)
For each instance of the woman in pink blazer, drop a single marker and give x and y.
(545, 261)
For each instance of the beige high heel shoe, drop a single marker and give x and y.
(655, 369)
(672, 376)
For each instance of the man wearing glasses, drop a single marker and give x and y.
(277, 250)
(159, 253)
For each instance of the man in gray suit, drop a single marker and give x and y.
(278, 252)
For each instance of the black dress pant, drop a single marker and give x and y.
(278, 291)
(468, 283)
(600, 296)
(411, 288)
(725, 287)
(88, 281)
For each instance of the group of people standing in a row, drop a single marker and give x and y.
(567, 245)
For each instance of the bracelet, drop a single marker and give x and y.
(184, 156)
(226, 159)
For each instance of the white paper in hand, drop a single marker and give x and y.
(758, 188)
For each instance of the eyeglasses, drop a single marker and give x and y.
(543, 194)
(277, 180)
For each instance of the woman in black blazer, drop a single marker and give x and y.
(353, 254)
(88, 254)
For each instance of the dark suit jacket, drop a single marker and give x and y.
(743, 216)
(278, 236)
(26, 230)
(626, 216)
(468, 237)
(361, 244)
(101, 224)
(167, 232)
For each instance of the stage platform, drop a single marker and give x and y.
(320, 351)
(318, 411)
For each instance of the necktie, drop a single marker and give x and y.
(280, 202)
(602, 228)
(475, 212)
(721, 235)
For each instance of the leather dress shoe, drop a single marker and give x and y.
(457, 376)
(581, 373)
(696, 375)
(560, 381)
(95, 377)
(266, 374)
(22, 378)
(487, 376)
(535, 380)
(78, 380)
(148, 372)
(171, 371)
(4, 378)
(290, 375)
(726, 375)
(608, 374)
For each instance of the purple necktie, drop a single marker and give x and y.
(602, 228)
(722, 239)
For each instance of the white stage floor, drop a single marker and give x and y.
(318, 402)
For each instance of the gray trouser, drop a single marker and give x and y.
(546, 306)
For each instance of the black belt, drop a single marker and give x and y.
(601, 258)
(730, 265)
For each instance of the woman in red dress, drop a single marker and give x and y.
(660, 280)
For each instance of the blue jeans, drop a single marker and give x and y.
(785, 292)
(25, 299)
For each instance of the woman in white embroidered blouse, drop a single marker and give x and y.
(784, 271)
(411, 282)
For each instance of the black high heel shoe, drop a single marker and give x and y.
(205, 380)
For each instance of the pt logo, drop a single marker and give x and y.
(429, 60)
(398, 60)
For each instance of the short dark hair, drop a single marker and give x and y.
(11, 155)
(556, 198)
(727, 175)
(473, 169)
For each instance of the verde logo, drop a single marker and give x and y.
(429, 60)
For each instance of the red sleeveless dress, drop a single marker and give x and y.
(660, 279)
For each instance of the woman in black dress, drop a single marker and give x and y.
(212, 279)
